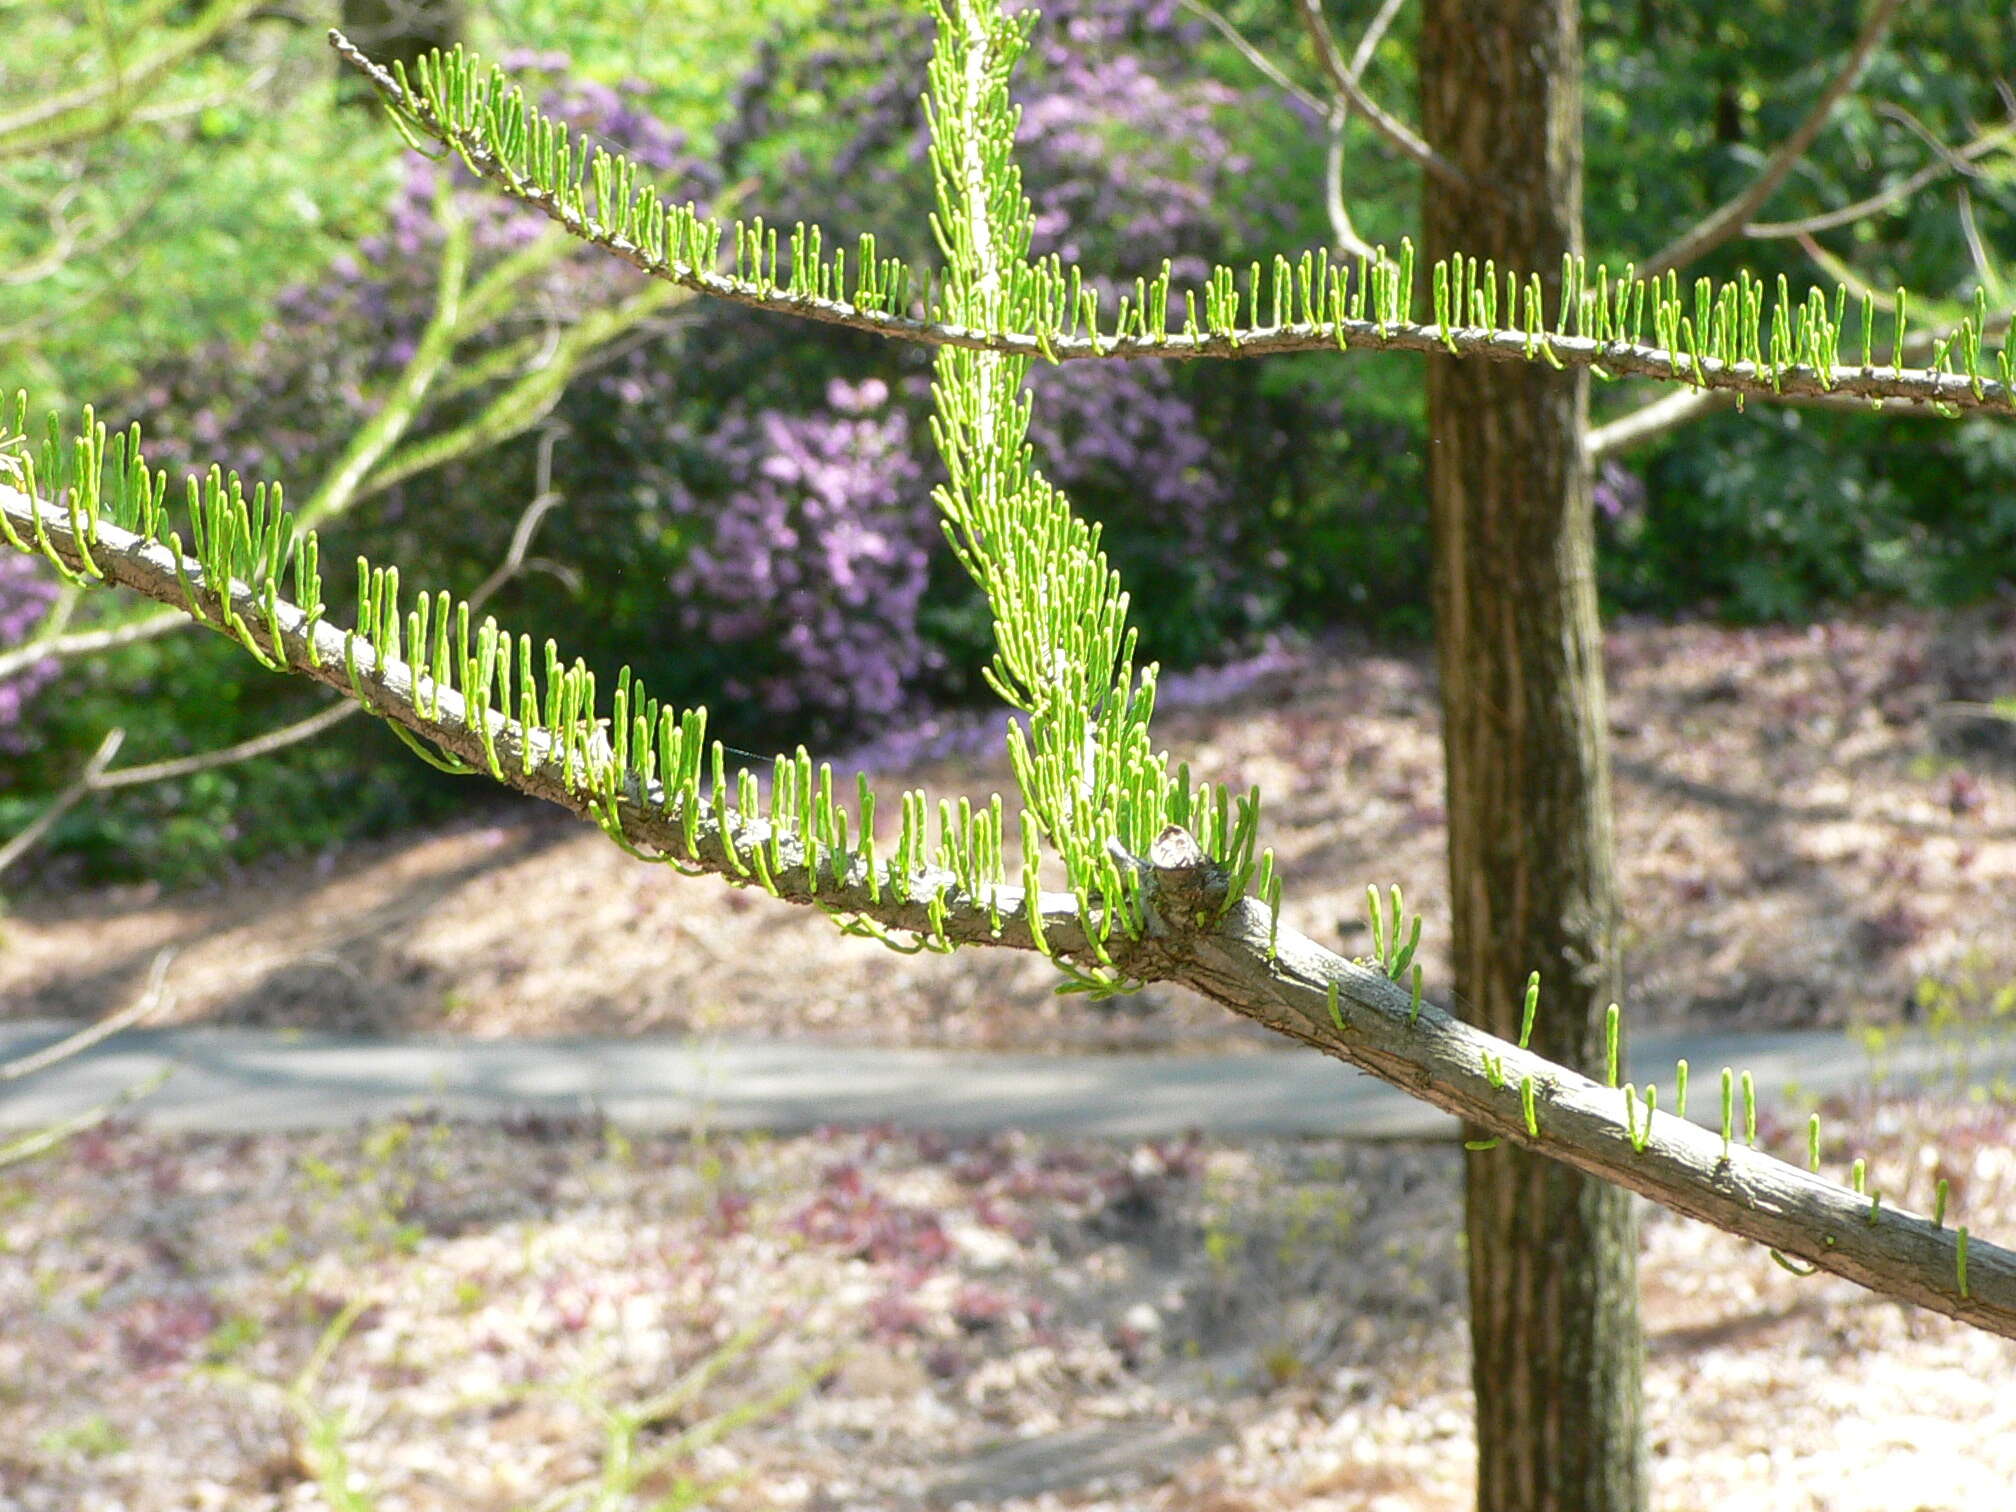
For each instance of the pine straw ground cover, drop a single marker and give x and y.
(910, 1322)
(1807, 835)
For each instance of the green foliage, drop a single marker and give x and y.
(202, 169)
(1746, 335)
(1808, 510)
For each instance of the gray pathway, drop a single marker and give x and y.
(250, 1080)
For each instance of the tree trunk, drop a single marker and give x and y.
(1552, 1254)
(392, 31)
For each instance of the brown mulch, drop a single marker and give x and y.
(1804, 839)
(917, 1322)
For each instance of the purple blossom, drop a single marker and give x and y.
(27, 589)
(813, 548)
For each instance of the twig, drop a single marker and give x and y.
(1402, 137)
(1727, 219)
(96, 778)
(1252, 54)
(28, 1146)
(63, 802)
(1884, 198)
(153, 998)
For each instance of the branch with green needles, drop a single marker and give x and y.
(1746, 337)
(650, 780)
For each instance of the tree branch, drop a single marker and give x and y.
(98, 776)
(1344, 80)
(1245, 960)
(1252, 54)
(1672, 410)
(153, 998)
(672, 244)
(1883, 199)
(19, 845)
(1727, 219)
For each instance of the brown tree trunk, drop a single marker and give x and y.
(391, 31)
(1552, 1254)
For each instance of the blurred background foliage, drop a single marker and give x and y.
(240, 257)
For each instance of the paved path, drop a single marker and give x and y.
(248, 1080)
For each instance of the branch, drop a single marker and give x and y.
(1683, 406)
(1727, 219)
(1240, 956)
(19, 845)
(153, 998)
(18, 659)
(1943, 164)
(1252, 54)
(1345, 80)
(19, 133)
(1726, 340)
(98, 777)
(1342, 230)
(1375, 29)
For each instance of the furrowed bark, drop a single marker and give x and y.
(1557, 1354)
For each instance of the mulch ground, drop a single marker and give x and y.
(865, 1321)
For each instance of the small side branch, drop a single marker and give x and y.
(1727, 219)
(1408, 142)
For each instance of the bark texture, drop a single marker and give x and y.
(1552, 1254)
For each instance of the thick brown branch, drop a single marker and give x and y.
(1277, 978)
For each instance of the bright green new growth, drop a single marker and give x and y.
(1709, 335)
(469, 697)
(1097, 792)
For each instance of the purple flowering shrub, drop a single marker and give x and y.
(26, 592)
(811, 555)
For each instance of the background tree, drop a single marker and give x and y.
(1532, 875)
(1556, 1353)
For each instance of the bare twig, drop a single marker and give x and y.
(153, 998)
(1727, 218)
(1977, 251)
(1375, 29)
(1398, 133)
(17, 659)
(1342, 229)
(1252, 54)
(63, 802)
(42, 1141)
(223, 756)
(1971, 153)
